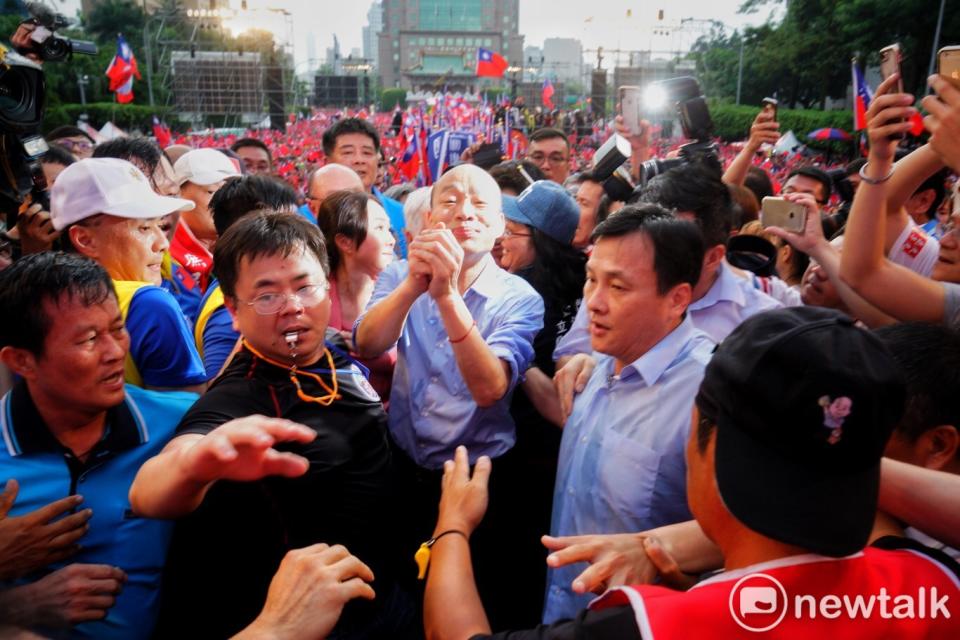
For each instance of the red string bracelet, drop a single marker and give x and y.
(464, 335)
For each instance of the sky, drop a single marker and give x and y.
(594, 22)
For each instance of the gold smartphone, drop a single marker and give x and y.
(948, 64)
(780, 212)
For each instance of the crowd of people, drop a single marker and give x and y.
(250, 391)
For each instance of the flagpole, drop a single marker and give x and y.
(936, 42)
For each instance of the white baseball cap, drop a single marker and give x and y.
(107, 185)
(204, 166)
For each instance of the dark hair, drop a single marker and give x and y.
(242, 194)
(558, 271)
(251, 142)
(143, 152)
(696, 187)
(36, 278)
(706, 425)
(759, 182)
(68, 131)
(814, 173)
(929, 356)
(678, 246)
(938, 183)
(343, 213)
(507, 174)
(746, 205)
(854, 166)
(57, 154)
(547, 133)
(264, 233)
(349, 125)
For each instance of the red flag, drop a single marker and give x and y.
(916, 121)
(546, 94)
(861, 98)
(490, 63)
(122, 70)
(409, 164)
(161, 132)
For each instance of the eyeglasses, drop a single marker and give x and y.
(514, 234)
(271, 303)
(77, 145)
(553, 158)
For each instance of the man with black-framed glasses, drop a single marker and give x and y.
(550, 150)
(246, 503)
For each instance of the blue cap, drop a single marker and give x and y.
(546, 206)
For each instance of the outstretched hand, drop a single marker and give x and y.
(242, 450)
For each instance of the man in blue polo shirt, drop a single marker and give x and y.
(355, 143)
(71, 426)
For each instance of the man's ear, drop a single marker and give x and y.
(713, 257)
(939, 446)
(680, 297)
(84, 240)
(21, 361)
(230, 303)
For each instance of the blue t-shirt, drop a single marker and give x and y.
(135, 431)
(184, 289)
(219, 338)
(161, 343)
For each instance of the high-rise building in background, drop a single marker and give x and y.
(371, 34)
(429, 44)
(562, 59)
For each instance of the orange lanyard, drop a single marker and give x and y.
(326, 400)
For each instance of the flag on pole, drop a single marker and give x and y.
(546, 94)
(490, 63)
(122, 70)
(861, 98)
(410, 161)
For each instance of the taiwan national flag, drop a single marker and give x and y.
(410, 161)
(861, 98)
(122, 70)
(161, 132)
(546, 94)
(490, 63)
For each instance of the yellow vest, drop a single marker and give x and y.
(211, 302)
(126, 290)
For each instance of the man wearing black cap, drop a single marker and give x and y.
(783, 460)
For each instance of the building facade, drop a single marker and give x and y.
(371, 33)
(429, 44)
(563, 59)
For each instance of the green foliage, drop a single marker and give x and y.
(110, 17)
(732, 122)
(389, 98)
(126, 116)
(804, 57)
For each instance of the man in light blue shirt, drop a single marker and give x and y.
(463, 347)
(722, 297)
(622, 455)
(464, 331)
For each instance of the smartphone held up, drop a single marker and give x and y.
(780, 212)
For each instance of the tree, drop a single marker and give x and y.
(804, 55)
(111, 17)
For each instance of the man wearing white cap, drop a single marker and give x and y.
(110, 213)
(200, 172)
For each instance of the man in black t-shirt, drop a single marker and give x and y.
(250, 501)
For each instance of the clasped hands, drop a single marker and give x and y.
(435, 258)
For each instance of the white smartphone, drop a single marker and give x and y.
(780, 212)
(630, 108)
